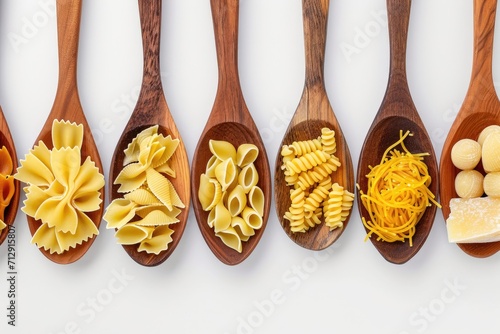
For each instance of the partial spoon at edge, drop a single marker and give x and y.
(152, 109)
(397, 112)
(480, 109)
(231, 121)
(313, 113)
(10, 212)
(67, 106)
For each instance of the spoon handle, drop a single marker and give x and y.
(229, 105)
(398, 15)
(68, 33)
(484, 28)
(315, 18)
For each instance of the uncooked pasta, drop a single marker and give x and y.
(150, 203)
(397, 194)
(7, 186)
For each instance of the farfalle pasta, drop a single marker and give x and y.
(307, 166)
(150, 202)
(228, 190)
(7, 186)
(61, 190)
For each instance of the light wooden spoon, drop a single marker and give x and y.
(396, 113)
(67, 106)
(231, 121)
(11, 211)
(480, 108)
(152, 109)
(313, 113)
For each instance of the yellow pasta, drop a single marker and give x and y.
(60, 189)
(228, 191)
(308, 167)
(150, 203)
(397, 194)
(7, 186)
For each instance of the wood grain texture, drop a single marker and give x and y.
(10, 212)
(479, 109)
(313, 113)
(229, 120)
(397, 112)
(152, 109)
(67, 106)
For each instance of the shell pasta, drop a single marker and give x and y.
(7, 186)
(228, 190)
(308, 167)
(150, 203)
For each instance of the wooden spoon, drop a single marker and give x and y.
(67, 106)
(480, 109)
(152, 109)
(11, 211)
(396, 113)
(231, 121)
(313, 113)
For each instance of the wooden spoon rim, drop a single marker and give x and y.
(320, 236)
(379, 138)
(237, 134)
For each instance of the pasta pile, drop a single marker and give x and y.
(150, 202)
(308, 166)
(7, 186)
(60, 189)
(397, 194)
(228, 189)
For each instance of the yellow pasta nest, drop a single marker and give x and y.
(397, 194)
(228, 190)
(308, 166)
(150, 202)
(60, 189)
(7, 186)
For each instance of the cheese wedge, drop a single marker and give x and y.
(474, 220)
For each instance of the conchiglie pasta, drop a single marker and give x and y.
(150, 203)
(237, 209)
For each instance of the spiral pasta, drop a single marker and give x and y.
(7, 186)
(397, 194)
(229, 191)
(308, 167)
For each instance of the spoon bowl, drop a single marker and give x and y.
(480, 109)
(152, 109)
(11, 211)
(230, 120)
(313, 113)
(398, 113)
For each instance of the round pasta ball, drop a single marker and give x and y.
(490, 153)
(486, 132)
(469, 184)
(491, 184)
(465, 154)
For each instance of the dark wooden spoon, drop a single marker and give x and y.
(396, 113)
(151, 109)
(480, 108)
(11, 211)
(313, 113)
(67, 106)
(231, 121)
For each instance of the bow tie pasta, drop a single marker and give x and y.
(308, 166)
(228, 190)
(7, 186)
(150, 202)
(60, 189)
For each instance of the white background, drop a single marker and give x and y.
(348, 288)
